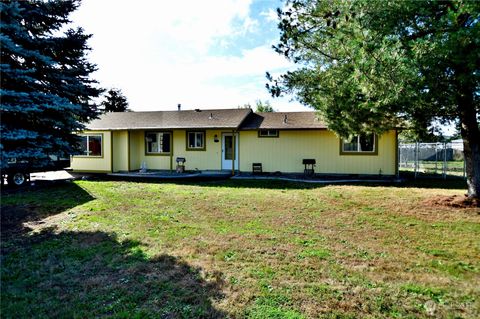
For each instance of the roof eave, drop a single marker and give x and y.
(162, 128)
(283, 128)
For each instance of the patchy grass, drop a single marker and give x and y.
(238, 249)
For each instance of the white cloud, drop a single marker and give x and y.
(270, 15)
(249, 25)
(157, 52)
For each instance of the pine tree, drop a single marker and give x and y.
(45, 86)
(368, 66)
(115, 101)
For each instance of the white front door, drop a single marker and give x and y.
(227, 150)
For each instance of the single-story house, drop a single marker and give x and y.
(229, 139)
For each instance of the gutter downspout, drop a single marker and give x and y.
(233, 152)
(128, 151)
(397, 155)
(171, 149)
(111, 151)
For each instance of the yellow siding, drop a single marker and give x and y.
(138, 156)
(95, 164)
(120, 151)
(136, 149)
(286, 152)
(202, 160)
(283, 154)
(155, 161)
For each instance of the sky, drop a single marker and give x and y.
(202, 54)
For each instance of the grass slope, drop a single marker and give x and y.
(237, 249)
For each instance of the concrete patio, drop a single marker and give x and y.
(172, 175)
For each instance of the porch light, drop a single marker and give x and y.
(215, 138)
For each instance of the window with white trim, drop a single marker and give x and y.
(196, 140)
(91, 145)
(158, 142)
(364, 143)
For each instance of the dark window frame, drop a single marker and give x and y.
(203, 148)
(359, 152)
(147, 153)
(276, 133)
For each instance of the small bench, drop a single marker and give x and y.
(257, 168)
(309, 166)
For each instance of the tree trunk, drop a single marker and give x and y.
(471, 151)
(471, 140)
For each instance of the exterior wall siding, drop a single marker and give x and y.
(96, 164)
(136, 149)
(283, 153)
(120, 150)
(286, 152)
(152, 161)
(210, 158)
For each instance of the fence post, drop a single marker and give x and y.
(415, 166)
(399, 156)
(444, 160)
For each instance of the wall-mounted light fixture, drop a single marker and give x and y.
(215, 138)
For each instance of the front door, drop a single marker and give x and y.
(228, 140)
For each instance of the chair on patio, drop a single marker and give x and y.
(257, 168)
(181, 164)
(309, 166)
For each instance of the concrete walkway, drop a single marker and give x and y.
(213, 175)
(50, 176)
(316, 180)
(169, 175)
(221, 175)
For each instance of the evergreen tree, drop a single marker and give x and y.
(115, 101)
(264, 106)
(45, 86)
(369, 66)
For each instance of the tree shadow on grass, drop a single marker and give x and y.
(33, 204)
(430, 183)
(93, 274)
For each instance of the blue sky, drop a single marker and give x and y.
(202, 54)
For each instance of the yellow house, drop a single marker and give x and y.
(229, 139)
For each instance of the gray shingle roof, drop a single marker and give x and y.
(222, 118)
(283, 121)
(243, 119)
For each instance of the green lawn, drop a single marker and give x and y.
(238, 249)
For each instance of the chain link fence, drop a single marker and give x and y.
(432, 159)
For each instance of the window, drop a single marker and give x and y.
(268, 133)
(196, 141)
(157, 142)
(91, 145)
(360, 144)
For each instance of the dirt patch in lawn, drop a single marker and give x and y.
(455, 201)
(13, 217)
